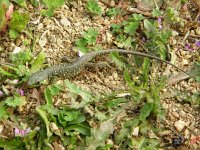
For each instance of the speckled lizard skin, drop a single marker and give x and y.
(72, 69)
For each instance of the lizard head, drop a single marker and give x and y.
(37, 77)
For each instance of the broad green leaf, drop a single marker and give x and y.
(55, 89)
(156, 13)
(48, 96)
(145, 111)
(116, 59)
(86, 96)
(138, 17)
(3, 112)
(16, 101)
(132, 123)
(114, 102)
(100, 135)
(69, 117)
(83, 129)
(43, 115)
(148, 26)
(122, 135)
(38, 62)
(138, 143)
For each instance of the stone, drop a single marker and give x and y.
(65, 22)
(179, 125)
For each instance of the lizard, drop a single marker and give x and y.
(72, 69)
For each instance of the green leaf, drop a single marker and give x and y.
(156, 12)
(2, 71)
(121, 135)
(12, 144)
(16, 101)
(82, 45)
(43, 115)
(51, 4)
(3, 8)
(138, 143)
(145, 70)
(112, 12)
(13, 34)
(80, 128)
(93, 7)
(132, 123)
(21, 57)
(131, 28)
(100, 135)
(48, 96)
(38, 62)
(145, 111)
(70, 117)
(90, 36)
(115, 28)
(149, 26)
(52, 91)
(86, 96)
(19, 21)
(114, 102)
(138, 17)
(5, 3)
(21, 3)
(3, 112)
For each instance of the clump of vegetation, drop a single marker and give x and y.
(93, 7)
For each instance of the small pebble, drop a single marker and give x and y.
(175, 114)
(135, 131)
(65, 22)
(179, 125)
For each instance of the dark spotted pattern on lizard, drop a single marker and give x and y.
(72, 69)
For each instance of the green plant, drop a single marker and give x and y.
(157, 39)
(51, 5)
(88, 40)
(93, 7)
(112, 12)
(19, 60)
(17, 23)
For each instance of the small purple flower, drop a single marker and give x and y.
(21, 92)
(143, 39)
(188, 47)
(15, 81)
(1, 93)
(159, 23)
(159, 20)
(197, 43)
(19, 132)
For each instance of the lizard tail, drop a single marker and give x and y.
(138, 54)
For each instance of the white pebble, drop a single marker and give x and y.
(179, 125)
